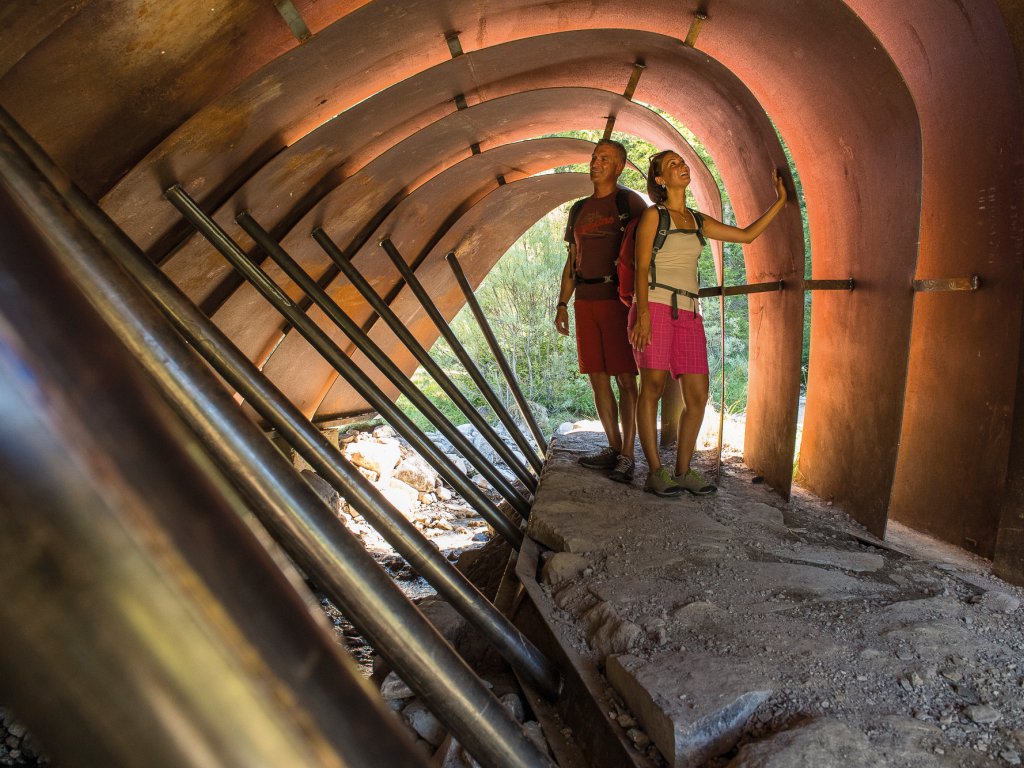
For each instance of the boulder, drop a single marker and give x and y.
(376, 457)
(415, 472)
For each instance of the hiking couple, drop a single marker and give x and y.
(662, 332)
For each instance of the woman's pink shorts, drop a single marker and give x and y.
(678, 346)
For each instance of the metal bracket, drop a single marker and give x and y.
(698, 21)
(474, 148)
(501, 180)
(634, 79)
(947, 284)
(828, 285)
(609, 127)
(460, 102)
(742, 290)
(454, 44)
(293, 19)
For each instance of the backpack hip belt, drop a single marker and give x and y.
(596, 280)
(676, 292)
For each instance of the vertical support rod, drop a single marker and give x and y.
(395, 375)
(404, 335)
(330, 351)
(499, 357)
(271, 404)
(460, 352)
(384, 364)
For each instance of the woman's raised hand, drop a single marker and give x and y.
(779, 184)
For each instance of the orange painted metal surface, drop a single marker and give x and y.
(964, 350)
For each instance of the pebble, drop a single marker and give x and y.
(1011, 757)
(626, 721)
(983, 714)
(1000, 602)
(514, 704)
(17, 730)
(638, 737)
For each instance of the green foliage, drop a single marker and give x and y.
(518, 297)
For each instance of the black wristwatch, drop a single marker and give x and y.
(561, 304)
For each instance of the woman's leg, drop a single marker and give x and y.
(695, 399)
(652, 385)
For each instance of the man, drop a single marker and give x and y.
(593, 235)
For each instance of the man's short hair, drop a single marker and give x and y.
(616, 146)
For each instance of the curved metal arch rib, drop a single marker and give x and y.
(480, 236)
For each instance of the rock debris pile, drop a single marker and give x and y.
(741, 630)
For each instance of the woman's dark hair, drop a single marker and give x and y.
(655, 191)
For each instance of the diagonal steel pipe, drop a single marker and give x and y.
(460, 352)
(437, 373)
(362, 383)
(225, 358)
(288, 507)
(189, 646)
(123, 543)
(384, 364)
(495, 347)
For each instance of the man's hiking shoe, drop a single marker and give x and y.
(623, 472)
(694, 482)
(606, 458)
(660, 483)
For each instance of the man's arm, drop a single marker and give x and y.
(565, 291)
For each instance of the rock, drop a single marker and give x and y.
(564, 428)
(858, 562)
(638, 737)
(824, 743)
(446, 620)
(442, 493)
(626, 721)
(607, 633)
(1000, 602)
(562, 567)
(17, 730)
(536, 735)
(416, 472)
(1010, 757)
(323, 489)
(394, 687)
(402, 497)
(424, 723)
(376, 457)
(983, 714)
(514, 704)
(384, 432)
(692, 706)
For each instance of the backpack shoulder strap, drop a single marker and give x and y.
(664, 225)
(699, 218)
(575, 211)
(622, 203)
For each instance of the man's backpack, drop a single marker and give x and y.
(625, 214)
(626, 263)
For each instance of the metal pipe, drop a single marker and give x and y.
(286, 505)
(366, 388)
(404, 335)
(326, 460)
(384, 364)
(460, 352)
(142, 623)
(499, 357)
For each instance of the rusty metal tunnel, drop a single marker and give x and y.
(207, 204)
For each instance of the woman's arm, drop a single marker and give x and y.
(719, 231)
(640, 335)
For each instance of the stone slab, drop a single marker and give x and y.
(693, 706)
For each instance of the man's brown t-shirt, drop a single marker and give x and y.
(597, 234)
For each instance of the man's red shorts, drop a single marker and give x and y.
(602, 341)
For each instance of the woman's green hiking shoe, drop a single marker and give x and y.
(694, 482)
(660, 483)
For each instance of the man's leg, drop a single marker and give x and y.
(627, 411)
(607, 410)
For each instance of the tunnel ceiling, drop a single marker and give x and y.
(423, 120)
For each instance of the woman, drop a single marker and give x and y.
(665, 325)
